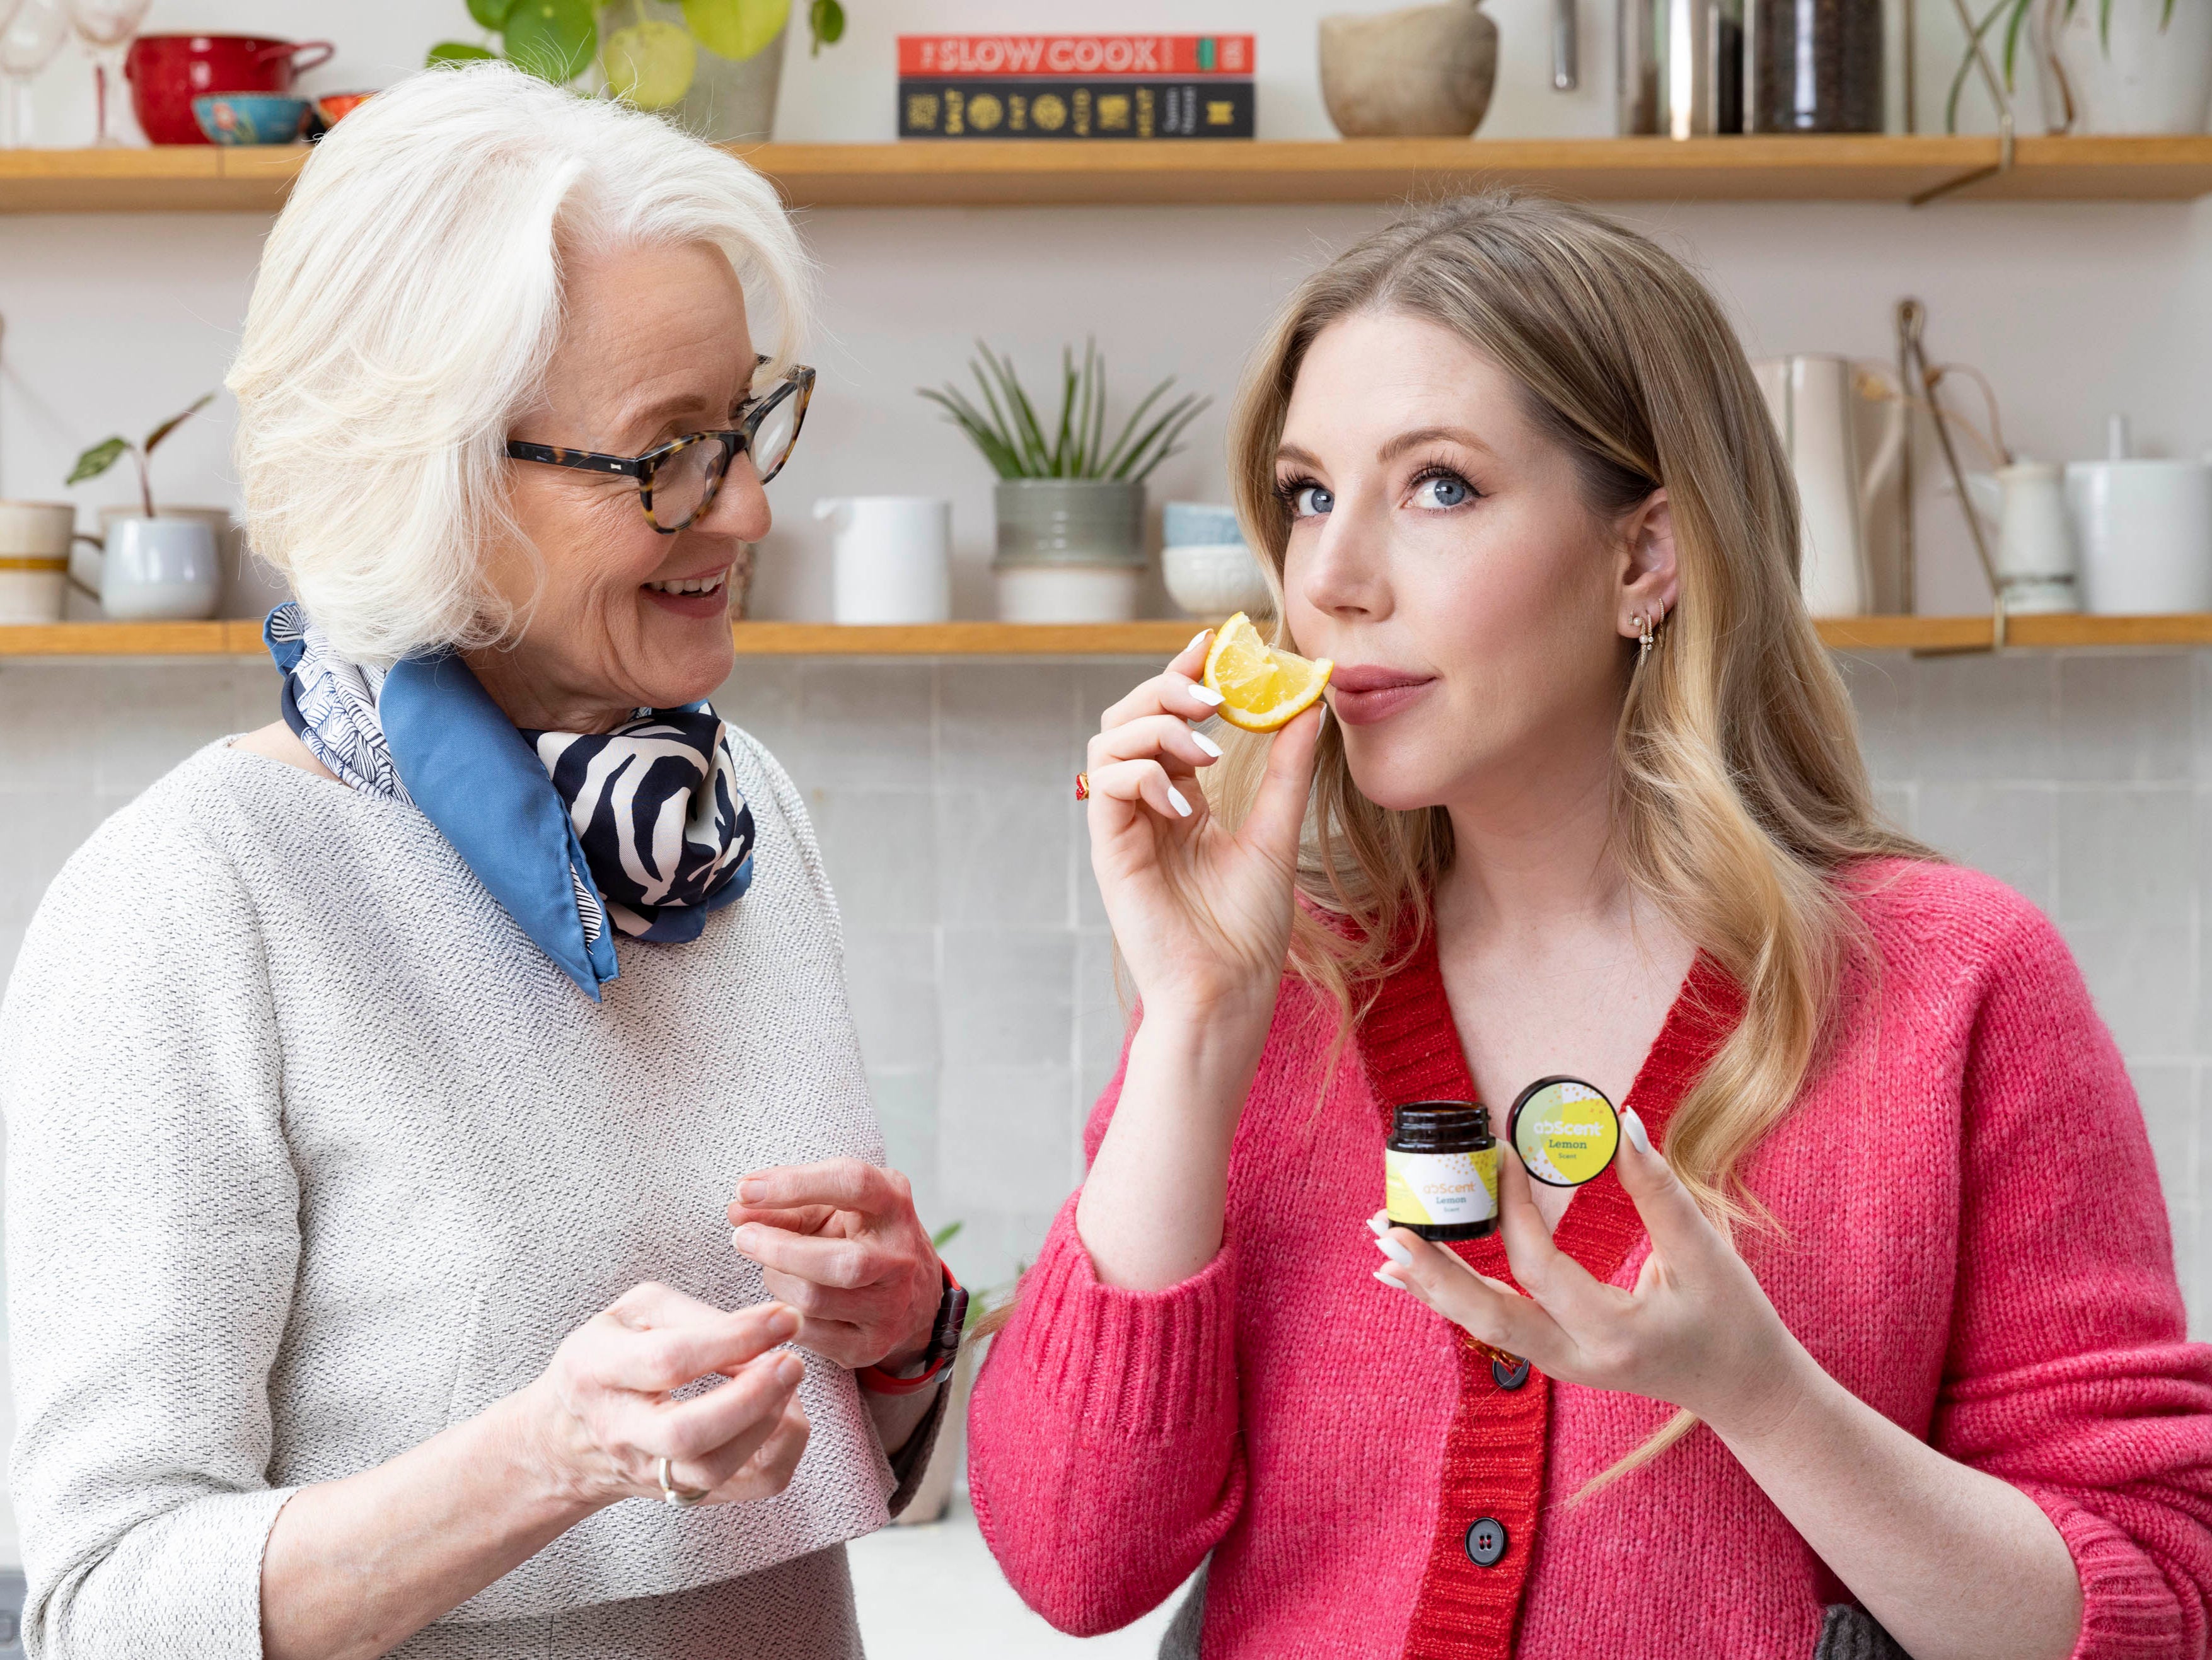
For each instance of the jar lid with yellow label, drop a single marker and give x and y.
(1565, 1131)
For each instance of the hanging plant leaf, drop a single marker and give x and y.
(455, 52)
(98, 459)
(552, 38)
(650, 63)
(736, 29)
(491, 13)
(826, 19)
(154, 437)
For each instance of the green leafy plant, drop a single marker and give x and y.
(1006, 427)
(648, 62)
(106, 454)
(2014, 15)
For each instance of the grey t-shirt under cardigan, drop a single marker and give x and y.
(312, 1153)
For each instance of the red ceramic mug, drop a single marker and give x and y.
(168, 71)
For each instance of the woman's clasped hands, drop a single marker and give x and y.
(1696, 1331)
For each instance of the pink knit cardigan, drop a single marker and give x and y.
(1972, 1241)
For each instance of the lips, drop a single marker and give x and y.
(1362, 694)
(703, 594)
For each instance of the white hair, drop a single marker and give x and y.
(408, 301)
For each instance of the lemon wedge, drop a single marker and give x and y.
(1261, 689)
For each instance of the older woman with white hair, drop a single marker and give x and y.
(383, 1085)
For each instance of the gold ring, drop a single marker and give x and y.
(682, 1498)
(1082, 786)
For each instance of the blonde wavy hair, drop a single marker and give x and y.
(1738, 792)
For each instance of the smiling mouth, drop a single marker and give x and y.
(691, 585)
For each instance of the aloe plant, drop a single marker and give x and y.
(1007, 431)
(106, 454)
(2015, 15)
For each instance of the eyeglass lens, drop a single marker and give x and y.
(773, 439)
(682, 483)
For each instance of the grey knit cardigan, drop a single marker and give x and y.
(311, 1152)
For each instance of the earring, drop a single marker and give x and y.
(1644, 638)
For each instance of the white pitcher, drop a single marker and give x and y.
(1814, 402)
(893, 558)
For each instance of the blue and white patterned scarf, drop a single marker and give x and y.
(643, 826)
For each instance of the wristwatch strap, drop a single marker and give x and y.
(944, 1343)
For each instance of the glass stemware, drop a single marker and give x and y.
(105, 28)
(28, 40)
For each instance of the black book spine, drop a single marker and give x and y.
(1073, 107)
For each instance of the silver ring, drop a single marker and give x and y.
(682, 1498)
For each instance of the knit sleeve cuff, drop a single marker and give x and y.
(1143, 1364)
(2128, 1608)
(190, 1578)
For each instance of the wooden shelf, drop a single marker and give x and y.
(1149, 639)
(1017, 173)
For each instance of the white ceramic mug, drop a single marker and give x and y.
(893, 560)
(2144, 529)
(159, 569)
(34, 551)
(2035, 556)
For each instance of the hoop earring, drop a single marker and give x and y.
(1644, 638)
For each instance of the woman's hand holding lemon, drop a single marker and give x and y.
(1202, 916)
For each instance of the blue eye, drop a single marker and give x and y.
(1442, 490)
(1311, 500)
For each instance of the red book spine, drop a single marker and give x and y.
(1036, 55)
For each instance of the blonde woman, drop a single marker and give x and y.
(1872, 1328)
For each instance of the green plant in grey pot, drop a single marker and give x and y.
(1071, 506)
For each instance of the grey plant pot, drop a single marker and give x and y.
(1070, 521)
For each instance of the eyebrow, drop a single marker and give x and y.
(1397, 446)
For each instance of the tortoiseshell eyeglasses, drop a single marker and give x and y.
(677, 482)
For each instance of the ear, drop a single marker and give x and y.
(1648, 577)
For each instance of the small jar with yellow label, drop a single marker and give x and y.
(1440, 1171)
(1565, 1131)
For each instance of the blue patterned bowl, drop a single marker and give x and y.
(250, 117)
(1198, 524)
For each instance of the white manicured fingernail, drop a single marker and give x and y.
(1195, 638)
(1206, 743)
(1396, 1252)
(1207, 695)
(1634, 1125)
(1387, 1280)
(1175, 797)
(1379, 1223)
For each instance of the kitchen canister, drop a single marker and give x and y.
(1069, 549)
(1681, 68)
(1209, 570)
(34, 555)
(1813, 66)
(893, 559)
(2144, 532)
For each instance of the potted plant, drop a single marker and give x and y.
(1070, 508)
(152, 565)
(712, 66)
(2116, 66)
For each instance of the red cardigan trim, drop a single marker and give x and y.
(1495, 1450)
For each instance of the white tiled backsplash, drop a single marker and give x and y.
(981, 969)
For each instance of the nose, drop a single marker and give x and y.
(1342, 571)
(740, 507)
